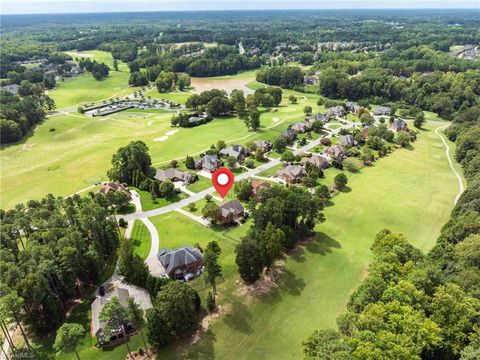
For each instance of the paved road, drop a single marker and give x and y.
(200, 195)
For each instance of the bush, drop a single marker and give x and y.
(249, 163)
(351, 164)
(52, 130)
(122, 223)
(191, 207)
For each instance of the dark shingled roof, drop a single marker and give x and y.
(170, 259)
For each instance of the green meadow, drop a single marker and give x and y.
(70, 152)
(398, 193)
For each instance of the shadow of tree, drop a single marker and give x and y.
(203, 349)
(238, 318)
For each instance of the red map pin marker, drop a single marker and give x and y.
(222, 181)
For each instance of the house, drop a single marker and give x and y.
(317, 160)
(112, 187)
(336, 152)
(289, 134)
(175, 175)
(382, 111)
(123, 292)
(208, 163)
(347, 140)
(353, 108)
(310, 80)
(336, 111)
(320, 117)
(399, 125)
(12, 89)
(257, 186)
(263, 145)
(237, 151)
(301, 127)
(231, 211)
(181, 262)
(292, 173)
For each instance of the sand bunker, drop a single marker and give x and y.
(275, 119)
(83, 55)
(172, 132)
(161, 138)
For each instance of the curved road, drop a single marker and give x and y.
(450, 162)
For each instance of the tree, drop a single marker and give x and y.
(221, 145)
(10, 308)
(211, 211)
(231, 162)
(165, 81)
(167, 189)
(127, 160)
(243, 190)
(419, 119)
(253, 120)
(248, 260)
(68, 337)
(367, 155)
(270, 244)
(208, 198)
(403, 138)
(135, 315)
(340, 180)
(237, 99)
(115, 316)
(212, 269)
(218, 106)
(306, 58)
(183, 81)
(115, 64)
(293, 99)
(326, 344)
(288, 157)
(366, 119)
(189, 162)
(307, 110)
(317, 126)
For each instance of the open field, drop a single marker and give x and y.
(77, 154)
(397, 193)
(84, 88)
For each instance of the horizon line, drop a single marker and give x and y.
(232, 10)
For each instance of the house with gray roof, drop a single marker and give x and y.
(12, 89)
(352, 107)
(317, 160)
(173, 175)
(382, 111)
(336, 111)
(336, 152)
(120, 291)
(399, 125)
(237, 151)
(292, 173)
(263, 145)
(320, 117)
(208, 163)
(301, 127)
(347, 140)
(289, 134)
(178, 263)
(231, 211)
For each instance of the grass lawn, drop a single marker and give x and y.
(141, 239)
(84, 88)
(398, 192)
(272, 171)
(78, 153)
(199, 205)
(149, 204)
(202, 184)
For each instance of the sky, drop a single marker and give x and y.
(78, 6)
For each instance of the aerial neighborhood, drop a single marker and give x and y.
(268, 184)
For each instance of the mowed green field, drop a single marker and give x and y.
(399, 192)
(84, 88)
(77, 154)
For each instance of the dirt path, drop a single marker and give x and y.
(450, 162)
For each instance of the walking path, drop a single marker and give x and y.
(450, 162)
